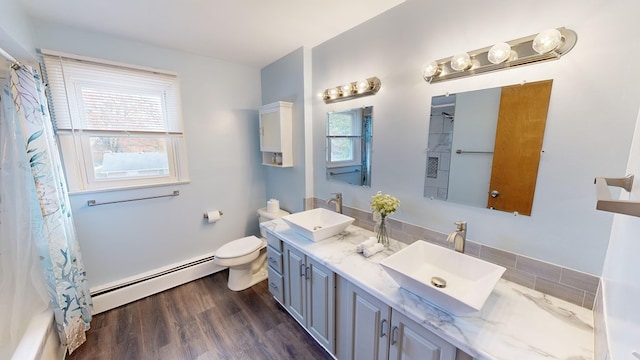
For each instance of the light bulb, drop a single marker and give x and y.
(333, 93)
(461, 62)
(546, 41)
(363, 85)
(499, 53)
(430, 70)
(346, 89)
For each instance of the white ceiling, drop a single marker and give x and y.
(252, 32)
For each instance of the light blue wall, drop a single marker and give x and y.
(588, 133)
(283, 80)
(219, 102)
(15, 31)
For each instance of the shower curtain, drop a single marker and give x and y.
(22, 290)
(51, 224)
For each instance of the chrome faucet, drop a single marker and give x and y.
(459, 236)
(336, 200)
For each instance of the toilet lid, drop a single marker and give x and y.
(239, 247)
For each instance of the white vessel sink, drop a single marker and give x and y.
(318, 224)
(469, 280)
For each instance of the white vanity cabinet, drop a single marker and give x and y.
(309, 295)
(276, 137)
(367, 328)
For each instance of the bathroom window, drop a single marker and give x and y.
(344, 138)
(119, 126)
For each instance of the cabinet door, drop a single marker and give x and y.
(364, 323)
(270, 131)
(411, 341)
(320, 314)
(294, 277)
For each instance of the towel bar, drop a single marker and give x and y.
(94, 203)
(460, 151)
(605, 202)
(344, 172)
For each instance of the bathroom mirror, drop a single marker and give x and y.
(484, 146)
(349, 146)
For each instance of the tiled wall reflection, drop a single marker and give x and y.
(570, 285)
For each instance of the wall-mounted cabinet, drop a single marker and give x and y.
(276, 140)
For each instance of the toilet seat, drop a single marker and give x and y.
(239, 247)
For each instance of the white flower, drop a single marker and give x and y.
(384, 204)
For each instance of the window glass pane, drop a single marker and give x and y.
(129, 157)
(341, 124)
(341, 149)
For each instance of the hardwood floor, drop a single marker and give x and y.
(202, 319)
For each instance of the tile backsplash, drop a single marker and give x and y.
(567, 284)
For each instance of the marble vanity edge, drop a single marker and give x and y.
(468, 333)
(567, 284)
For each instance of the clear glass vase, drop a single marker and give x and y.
(382, 232)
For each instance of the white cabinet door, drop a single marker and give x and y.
(309, 293)
(411, 341)
(367, 328)
(320, 303)
(270, 131)
(294, 288)
(363, 324)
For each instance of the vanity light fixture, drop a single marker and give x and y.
(550, 44)
(352, 90)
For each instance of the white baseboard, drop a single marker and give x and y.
(138, 287)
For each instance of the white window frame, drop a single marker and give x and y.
(355, 138)
(74, 140)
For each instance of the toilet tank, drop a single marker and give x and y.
(264, 215)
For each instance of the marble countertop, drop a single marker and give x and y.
(515, 323)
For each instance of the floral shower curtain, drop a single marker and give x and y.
(58, 250)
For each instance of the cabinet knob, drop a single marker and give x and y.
(495, 193)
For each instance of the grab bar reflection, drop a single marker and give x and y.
(345, 172)
(459, 151)
(94, 203)
(605, 202)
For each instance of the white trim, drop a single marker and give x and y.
(138, 290)
(40, 340)
(308, 121)
(105, 62)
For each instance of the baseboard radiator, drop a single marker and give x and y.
(137, 287)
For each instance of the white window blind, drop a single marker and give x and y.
(106, 97)
(119, 124)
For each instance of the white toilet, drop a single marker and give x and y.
(246, 257)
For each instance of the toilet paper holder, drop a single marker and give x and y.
(206, 215)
